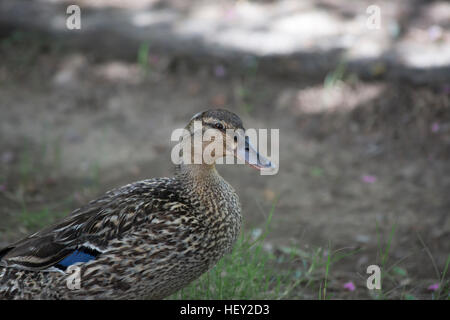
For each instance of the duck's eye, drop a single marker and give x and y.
(219, 126)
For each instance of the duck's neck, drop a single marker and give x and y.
(198, 174)
(201, 178)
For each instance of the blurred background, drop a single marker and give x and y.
(363, 112)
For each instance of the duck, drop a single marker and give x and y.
(144, 240)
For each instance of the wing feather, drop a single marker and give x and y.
(92, 226)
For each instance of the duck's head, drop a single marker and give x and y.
(226, 128)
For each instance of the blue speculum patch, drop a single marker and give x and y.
(76, 256)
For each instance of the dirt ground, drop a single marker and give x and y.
(357, 159)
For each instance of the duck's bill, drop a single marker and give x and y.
(246, 152)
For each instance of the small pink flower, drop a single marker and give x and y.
(433, 287)
(446, 89)
(368, 178)
(219, 71)
(350, 286)
(435, 127)
(435, 32)
(154, 59)
(230, 13)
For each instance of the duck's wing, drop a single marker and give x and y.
(48, 247)
(85, 234)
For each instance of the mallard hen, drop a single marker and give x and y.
(147, 239)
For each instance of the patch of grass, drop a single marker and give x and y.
(36, 164)
(251, 272)
(323, 292)
(244, 274)
(242, 96)
(22, 48)
(38, 219)
(247, 273)
(444, 285)
(313, 269)
(390, 276)
(339, 75)
(143, 57)
(26, 166)
(336, 76)
(396, 280)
